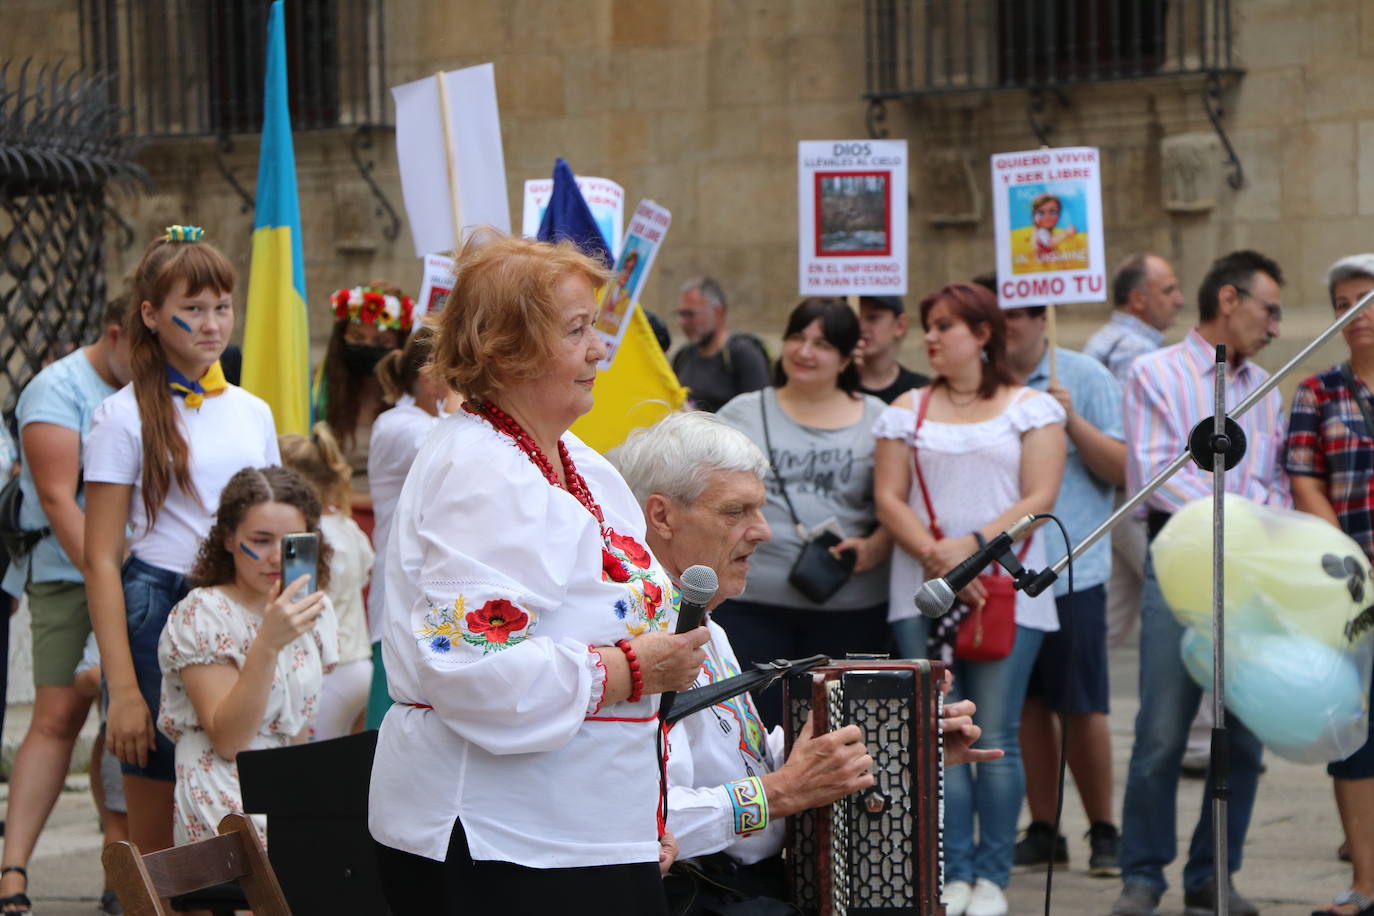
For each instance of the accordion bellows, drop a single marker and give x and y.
(878, 851)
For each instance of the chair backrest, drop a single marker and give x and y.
(315, 797)
(236, 854)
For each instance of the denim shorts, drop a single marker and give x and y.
(150, 594)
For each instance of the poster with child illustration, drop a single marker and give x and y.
(1048, 209)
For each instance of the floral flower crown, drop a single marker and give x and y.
(369, 305)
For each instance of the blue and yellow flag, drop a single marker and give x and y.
(276, 334)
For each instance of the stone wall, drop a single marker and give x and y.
(698, 104)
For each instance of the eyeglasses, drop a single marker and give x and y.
(1273, 308)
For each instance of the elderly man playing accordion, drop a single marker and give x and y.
(730, 786)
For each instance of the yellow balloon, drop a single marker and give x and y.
(1316, 579)
(1182, 554)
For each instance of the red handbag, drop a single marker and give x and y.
(987, 633)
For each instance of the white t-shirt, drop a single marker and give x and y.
(348, 571)
(397, 435)
(229, 432)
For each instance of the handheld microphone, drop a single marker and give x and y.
(936, 596)
(698, 585)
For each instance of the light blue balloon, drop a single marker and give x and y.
(1306, 701)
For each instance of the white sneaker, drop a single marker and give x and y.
(987, 899)
(956, 897)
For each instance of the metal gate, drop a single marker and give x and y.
(61, 151)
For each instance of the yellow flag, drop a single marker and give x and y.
(639, 389)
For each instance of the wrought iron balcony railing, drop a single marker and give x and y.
(922, 48)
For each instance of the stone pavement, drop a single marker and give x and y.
(1290, 860)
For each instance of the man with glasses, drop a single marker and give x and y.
(714, 365)
(1167, 393)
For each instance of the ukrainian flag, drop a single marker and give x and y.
(276, 335)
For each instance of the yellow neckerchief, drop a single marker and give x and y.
(212, 382)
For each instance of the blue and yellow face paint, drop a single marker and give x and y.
(176, 319)
(248, 551)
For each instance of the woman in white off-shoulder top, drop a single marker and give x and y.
(990, 451)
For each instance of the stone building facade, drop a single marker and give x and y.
(699, 104)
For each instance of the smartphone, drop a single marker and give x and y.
(299, 555)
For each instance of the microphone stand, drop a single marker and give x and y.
(1215, 444)
(1038, 582)
(1225, 453)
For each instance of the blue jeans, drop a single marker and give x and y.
(1169, 700)
(150, 593)
(992, 790)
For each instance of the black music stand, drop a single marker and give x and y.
(315, 799)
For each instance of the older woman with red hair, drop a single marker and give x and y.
(527, 630)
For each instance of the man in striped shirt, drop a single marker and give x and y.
(1148, 300)
(1168, 392)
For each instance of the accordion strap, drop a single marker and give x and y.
(764, 673)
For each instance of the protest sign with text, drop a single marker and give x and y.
(851, 217)
(435, 285)
(1047, 208)
(604, 198)
(644, 236)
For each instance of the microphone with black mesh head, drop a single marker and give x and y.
(698, 585)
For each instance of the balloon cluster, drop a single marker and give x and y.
(1297, 670)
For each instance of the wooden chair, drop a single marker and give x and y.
(236, 854)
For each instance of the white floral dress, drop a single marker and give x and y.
(207, 628)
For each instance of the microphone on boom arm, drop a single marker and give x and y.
(936, 596)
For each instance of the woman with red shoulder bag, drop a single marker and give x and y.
(956, 463)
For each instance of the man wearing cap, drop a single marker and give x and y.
(882, 325)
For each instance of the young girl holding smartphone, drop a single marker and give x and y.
(160, 451)
(244, 654)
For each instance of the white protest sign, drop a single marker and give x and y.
(469, 151)
(604, 197)
(435, 286)
(851, 217)
(1047, 207)
(644, 236)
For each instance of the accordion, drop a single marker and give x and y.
(876, 851)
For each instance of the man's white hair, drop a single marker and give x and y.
(677, 455)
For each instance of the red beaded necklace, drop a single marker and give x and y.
(505, 423)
